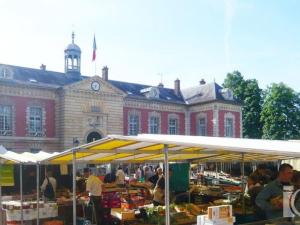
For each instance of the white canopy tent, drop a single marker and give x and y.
(145, 147)
(26, 158)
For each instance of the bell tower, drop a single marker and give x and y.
(73, 58)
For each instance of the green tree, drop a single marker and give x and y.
(281, 113)
(235, 81)
(250, 95)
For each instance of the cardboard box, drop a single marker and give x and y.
(219, 212)
(204, 220)
(123, 215)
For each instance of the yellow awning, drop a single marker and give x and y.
(146, 147)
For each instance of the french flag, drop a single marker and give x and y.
(94, 49)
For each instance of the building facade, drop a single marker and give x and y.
(46, 110)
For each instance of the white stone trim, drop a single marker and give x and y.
(228, 107)
(216, 123)
(86, 134)
(202, 107)
(187, 122)
(154, 105)
(25, 91)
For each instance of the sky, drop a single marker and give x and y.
(159, 40)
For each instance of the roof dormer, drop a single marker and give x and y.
(150, 92)
(6, 72)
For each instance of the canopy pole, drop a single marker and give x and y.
(278, 164)
(243, 184)
(167, 190)
(74, 186)
(21, 192)
(38, 193)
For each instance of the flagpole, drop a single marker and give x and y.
(94, 54)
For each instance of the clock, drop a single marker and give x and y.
(95, 86)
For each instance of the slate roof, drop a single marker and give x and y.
(198, 94)
(134, 90)
(205, 93)
(42, 76)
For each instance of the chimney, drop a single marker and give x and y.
(43, 67)
(177, 87)
(160, 85)
(202, 82)
(105, 73)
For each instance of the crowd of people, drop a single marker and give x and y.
(264, 188)
(90, 185)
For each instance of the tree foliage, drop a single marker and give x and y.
(250, 95)
(281, 113)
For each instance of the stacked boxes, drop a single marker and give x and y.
(111, 200)
(217, 215)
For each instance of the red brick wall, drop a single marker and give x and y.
(21, 104)
(236, 120)
(144, 120)
(210, 125)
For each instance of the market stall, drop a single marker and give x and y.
(174, 148)
(16, 208)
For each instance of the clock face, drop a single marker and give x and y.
(95, 86)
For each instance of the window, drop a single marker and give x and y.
(35, 150)
(228, 127)
(202, 126)
(133, 125)
(154, 125)
(173, 126)
(5, 120)
(35, 121)
(95, 109)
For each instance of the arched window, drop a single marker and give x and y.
(70, 63)
(93, 136)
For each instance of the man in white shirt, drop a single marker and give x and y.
(49, 179)
(120, 175)
(94, 190)
(138, 173)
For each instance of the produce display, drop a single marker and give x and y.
(179, 214)
(13, 210)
